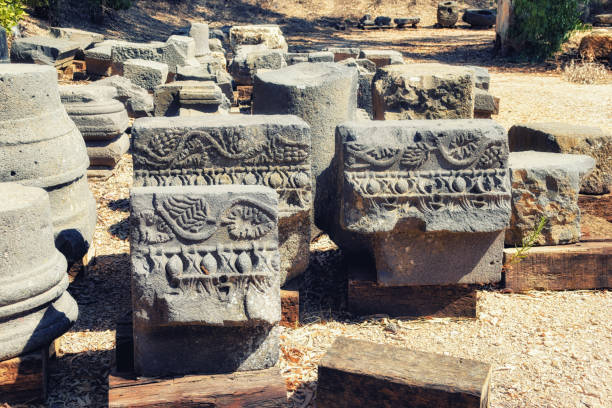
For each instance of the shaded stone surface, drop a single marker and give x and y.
(485, 104)
(250, 58)
(35, 307)
(98, 60)
(273, 151)
(366, 69)
(94, 110)
(107, 153)
(566, 138)
(40, 146)
(413, 194)
(479, 17)
(321, 56)
(205, 279)
(323, 95)
(382, 57)
(546, 185)
(269, 35)
(85, 39)
(136, 100)
(43, 50)
(175, 98)
(145, 74)
(4, 51)
(423, 91)
(175, 52)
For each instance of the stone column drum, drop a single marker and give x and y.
(34, 305)
(205, 270)
(428, 199)
(270, 150)
(324, 95)
(40, 146)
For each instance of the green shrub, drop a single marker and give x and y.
(11, 11)
(544, 25)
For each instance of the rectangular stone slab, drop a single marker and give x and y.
(205, 279)
(235, 149)
(357, 373)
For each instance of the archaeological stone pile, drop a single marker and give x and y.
(243, 153)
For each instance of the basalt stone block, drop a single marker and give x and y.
(482, 77)
(429, 200)
(199, 32)
(448, 13)
(251, 58)
(269, 35)
(323, 95)
(480, 17)
(273, 151)
(293, 58)
(174, 98)
(321, 56)
(4, 51)
(366, 69)
(98, 116)
(546, 185)
(43, 50)
(85, 39)
(107, 153)
(35, 307)
(40, 146)
(205, 279)
(569, 139)
(136, 100)
(98, 60)
(485, 104)
(423, 91)
(145, 74)
(382, 57)
(175, 52)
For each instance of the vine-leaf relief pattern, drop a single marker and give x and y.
(248, 220)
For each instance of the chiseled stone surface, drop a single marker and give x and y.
(382, 57)
(43, 50)
(34, 305)
(250, 58)
(84, 38)
(546, 185)
(205, 279)
(429, 199)
(366, 69)
(145, 74)
(423, 91)
(323, 95)
(175, 52)
(136, 100)
(237, 149)
(269, 35)
(570, 139)
(94, 110)
(107, 153)
(40, 146)
(199, 32)
(181, 98)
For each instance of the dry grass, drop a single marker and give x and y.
(588, 73)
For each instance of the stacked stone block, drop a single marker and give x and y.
(189, 98)
(205, 279)
(269, 35)
(35, 308)
(145, 74)
(102, 121)
(273, 151)
(40, 146)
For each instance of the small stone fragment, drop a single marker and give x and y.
(145, 74)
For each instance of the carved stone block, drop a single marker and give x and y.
(265, 150)
(205, 279)
(428, 199)
(269, 35)
(180, 97)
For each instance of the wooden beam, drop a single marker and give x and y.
(23, 379)
(597, 205)
(290, 308)
(250, 389)
(586, 265)
(357, 373)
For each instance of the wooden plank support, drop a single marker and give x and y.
(585, 265)
(597, 205)
(23, 379)
(367, 297)
(263, 388)
(290, 308)
(357, 373)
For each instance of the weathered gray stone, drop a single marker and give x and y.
(480, 17)
(321, 56)
(205, 279)
(570, 139)
(98, 60)
(482, 77)
(43, 50)
(342, 53)
(366, 69)
(177, 51)
(107, 153)
(448, 13)
(145, 74)
(199, 73)
(293, 58)
(94, 110)
(546, 185)
(382, 57)
(4, 52)
(269, 35)
(428, 199)
(202, 96)
(85, 39)
(215, 45)
(251, 58)
(35, 307)
(40, 146)
(402, 22)
(239, 149)
(323, 95)
(199, 32)
(485, 104)
(136, 100)
(423, 91)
